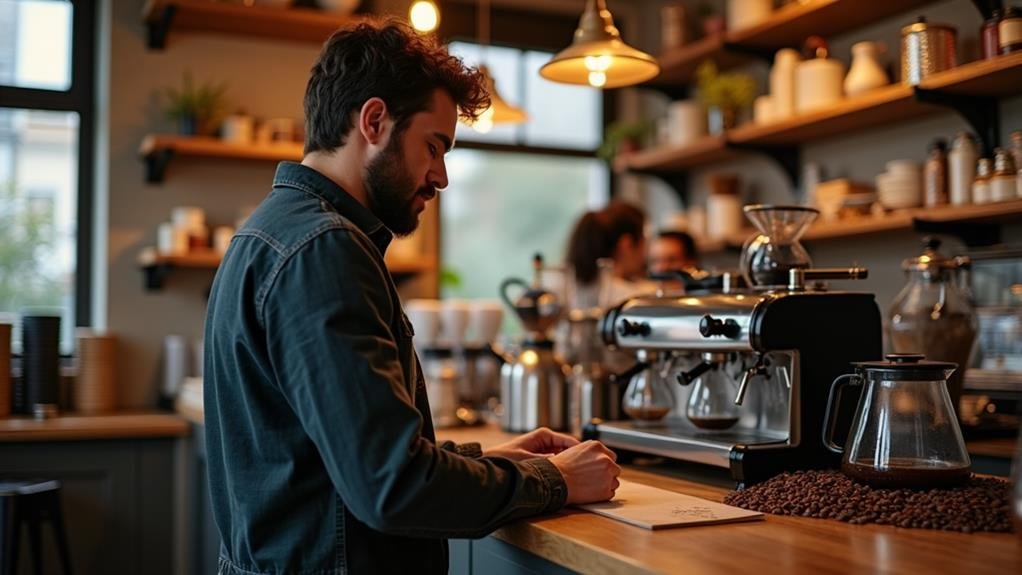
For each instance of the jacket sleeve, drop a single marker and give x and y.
(336, 361)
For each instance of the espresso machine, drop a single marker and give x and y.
(534, 382)
(756, 364)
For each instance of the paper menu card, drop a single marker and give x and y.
(654, 508)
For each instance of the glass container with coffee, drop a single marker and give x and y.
(932, 314)
(711, 403)
(649, 396)
(769, 256)
(904, 433)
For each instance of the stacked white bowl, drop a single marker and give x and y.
(901, 186)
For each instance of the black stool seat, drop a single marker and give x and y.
(30, 502)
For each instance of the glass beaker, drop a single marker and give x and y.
(767, 257)
(711, 403)
(904, 433)
(649, 396)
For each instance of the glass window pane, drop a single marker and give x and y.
(504, 65)
(35, 44)
(38, 207)
(500, 208)
(562, 115)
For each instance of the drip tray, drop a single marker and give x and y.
(677, 439)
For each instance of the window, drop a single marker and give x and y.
(518, 189)
(46, 103)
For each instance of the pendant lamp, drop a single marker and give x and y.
(500, 111)
(598, 57)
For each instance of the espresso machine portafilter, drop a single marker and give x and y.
(783, 346)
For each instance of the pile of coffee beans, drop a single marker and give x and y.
(981, 504)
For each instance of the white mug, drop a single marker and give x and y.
(425, 317)
(484, 320)
(454, 321)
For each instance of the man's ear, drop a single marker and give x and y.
(374, 121)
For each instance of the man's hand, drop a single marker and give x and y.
(539, 443)
(590, 472)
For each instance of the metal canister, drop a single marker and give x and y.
(926, 49)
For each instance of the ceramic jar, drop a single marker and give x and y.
(866, 73)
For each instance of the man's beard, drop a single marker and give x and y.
(391, 189)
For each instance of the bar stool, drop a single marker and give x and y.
(30, 502)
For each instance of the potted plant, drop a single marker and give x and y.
(724, 95)
(622, 137)
(197, 109)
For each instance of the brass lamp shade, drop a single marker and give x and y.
(598, 57)
(503, 113)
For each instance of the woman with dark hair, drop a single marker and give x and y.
(617, 233)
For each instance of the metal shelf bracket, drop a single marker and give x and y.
(160, 27)
(981, 112)
(156, 165)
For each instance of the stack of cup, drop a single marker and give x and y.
(425, 317)
(5, 369)
(94, 390)
(454, 315)
(40, 336)
(193, 221)
(900, 186)
(484, 318)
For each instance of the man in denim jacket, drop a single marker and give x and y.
(322, 456)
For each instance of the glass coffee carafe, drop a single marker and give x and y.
(905, 432)
(649, 396)
(767, 257)
(932, 313)
(711, 403)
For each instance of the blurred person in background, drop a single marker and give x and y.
(672, 251)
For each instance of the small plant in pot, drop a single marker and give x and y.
(621, 138)
(724, 95)
(197, 109)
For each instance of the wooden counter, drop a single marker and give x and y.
(130, 425)
(592, 544)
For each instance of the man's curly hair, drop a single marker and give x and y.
(389, 60)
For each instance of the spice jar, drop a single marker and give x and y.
(1002, 181)
(989, 45)
(1009, 30)
(962, 168)
(935, 175)
(981, 185)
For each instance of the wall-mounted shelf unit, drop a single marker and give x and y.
(901, 220)
(158, 150)
(296, 24)
(970, 89)
(787, 27)
(156, 268)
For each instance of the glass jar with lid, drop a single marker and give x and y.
(932, 314)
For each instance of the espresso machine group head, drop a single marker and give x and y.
(783, 347)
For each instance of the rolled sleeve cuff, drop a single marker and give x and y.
(472, 450)
(553, 482)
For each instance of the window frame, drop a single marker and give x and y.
(80, 97)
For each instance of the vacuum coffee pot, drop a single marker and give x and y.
(905, 432)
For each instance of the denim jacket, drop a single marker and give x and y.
(322, 456)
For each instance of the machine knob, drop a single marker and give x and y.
(627, 328)
(709, 326)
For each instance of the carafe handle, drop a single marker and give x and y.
(829, 421)
(508, 283)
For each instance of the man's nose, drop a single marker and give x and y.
(438, 175)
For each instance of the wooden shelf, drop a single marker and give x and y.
(707, 150)
(900, 220)
(788, 27)
(158, 150)
(156, 267)
(998, 77)
(296, 24)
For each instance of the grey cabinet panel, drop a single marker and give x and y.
(491, 556)
(117, 499)
(461, 557)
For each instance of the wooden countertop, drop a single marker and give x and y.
(592, 544)
(128, 425)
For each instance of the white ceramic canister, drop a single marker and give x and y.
(686, 122)
(818, 84)
(742, 14)
(961, 165)
(866, 73)
(782, 83)
(238, 129)
(724, 217)
(763, 110)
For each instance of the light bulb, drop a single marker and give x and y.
(424, 15)
(597, 66)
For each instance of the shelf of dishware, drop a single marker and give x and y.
(281, 23)
(898, 220)
(788, 26)
(994, 78)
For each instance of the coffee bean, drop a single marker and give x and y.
(981, 504)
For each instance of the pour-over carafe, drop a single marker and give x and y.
(768, 257)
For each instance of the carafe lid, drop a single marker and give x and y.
(932, 260)
(908, 367)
